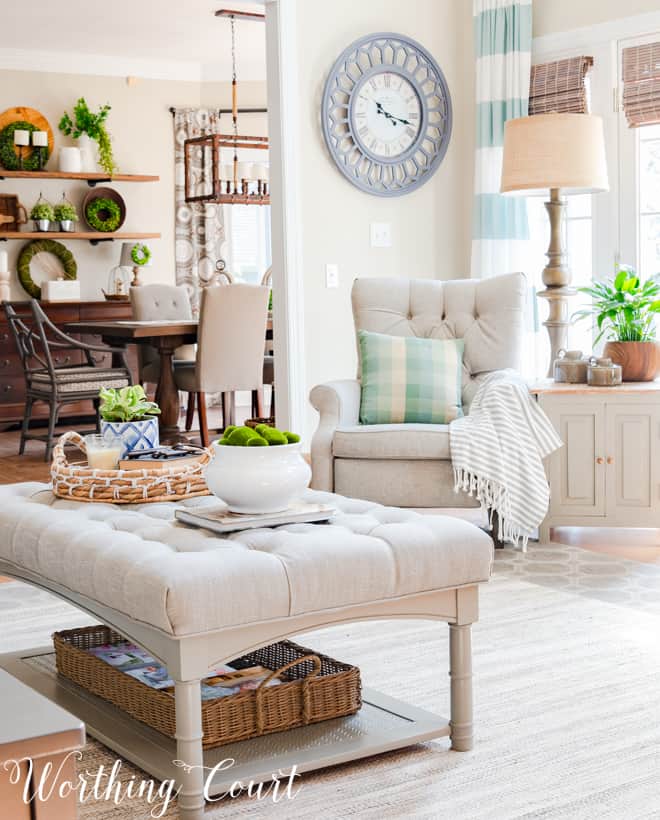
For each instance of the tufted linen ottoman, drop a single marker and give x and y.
(195, 599)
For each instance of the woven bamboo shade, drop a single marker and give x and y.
(641, 84)
(560, 86)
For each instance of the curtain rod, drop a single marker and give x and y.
(228, 110)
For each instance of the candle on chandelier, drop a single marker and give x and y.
(4, 261)
(40, 139)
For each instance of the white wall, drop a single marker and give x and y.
(563, 15)
(430, 227)
(141, 126)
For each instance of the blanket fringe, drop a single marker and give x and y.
(493, 498)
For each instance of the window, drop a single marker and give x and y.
(248, 241)
(639, 175)
(648, 199)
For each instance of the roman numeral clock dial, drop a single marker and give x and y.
(386, 114)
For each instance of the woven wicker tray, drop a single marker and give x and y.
(313, 688)
(82, 483)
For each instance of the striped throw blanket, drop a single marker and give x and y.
(497, 453)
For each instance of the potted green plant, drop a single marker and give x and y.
(86, 125)
(66, 214)
(625, 310)
(43, 214)
(127, 414)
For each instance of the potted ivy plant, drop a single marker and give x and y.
(43, 214)
(625, 310)
(65, 213)
(86, 125)
(128, 415)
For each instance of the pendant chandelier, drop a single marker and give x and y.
(207, 178)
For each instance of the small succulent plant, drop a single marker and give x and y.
(263, 435)
(126, 404)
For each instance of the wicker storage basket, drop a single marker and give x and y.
(82, 483)
(314, 687)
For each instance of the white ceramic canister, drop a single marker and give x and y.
(70, 160)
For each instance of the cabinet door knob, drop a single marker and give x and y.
(610, 460)
(600, 460)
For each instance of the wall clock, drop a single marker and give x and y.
(386, 114)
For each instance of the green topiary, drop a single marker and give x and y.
(103, 214)
(8, 155)
(65, 212)
(42, 210)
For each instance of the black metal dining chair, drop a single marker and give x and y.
(39, 344)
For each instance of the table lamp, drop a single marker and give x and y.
(566, 154)
(141, 259)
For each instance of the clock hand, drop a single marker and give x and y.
(391, 117)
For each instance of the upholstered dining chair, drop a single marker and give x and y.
(230, 346)
(42, 346)
(409, 465)
(165, 303)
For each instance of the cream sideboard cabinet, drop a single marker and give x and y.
(607, 474)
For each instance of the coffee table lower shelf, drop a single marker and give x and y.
(382, 725)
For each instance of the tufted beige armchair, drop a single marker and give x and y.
(409, 465)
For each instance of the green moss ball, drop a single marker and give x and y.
(240, 436)
(274, 437)
(292, 438)
(257, 441)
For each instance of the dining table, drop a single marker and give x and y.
(165, 336)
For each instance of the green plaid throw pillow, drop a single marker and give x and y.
(407, 379)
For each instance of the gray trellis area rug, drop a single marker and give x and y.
(567, 698)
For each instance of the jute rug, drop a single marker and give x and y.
(566, 701)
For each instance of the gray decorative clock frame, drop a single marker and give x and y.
(398, 55)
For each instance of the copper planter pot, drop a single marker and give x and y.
(640, 361)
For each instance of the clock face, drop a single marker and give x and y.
(386, 114)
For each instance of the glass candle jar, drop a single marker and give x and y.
(103, 454)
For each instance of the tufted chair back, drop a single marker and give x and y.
(161, 302)
(486, 313)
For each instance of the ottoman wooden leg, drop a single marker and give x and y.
(189, 749)
(460, 672)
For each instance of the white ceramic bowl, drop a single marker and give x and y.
(258, 479)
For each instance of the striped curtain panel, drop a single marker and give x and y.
(503, 45)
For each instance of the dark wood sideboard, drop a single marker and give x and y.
(12, 383)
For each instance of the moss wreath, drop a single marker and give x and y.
(29, 251)
(103, 214)
(8, 155)
(140, 254)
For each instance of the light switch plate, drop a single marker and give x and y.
(381, 235)
(332, 276)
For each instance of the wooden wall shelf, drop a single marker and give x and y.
(92, 236)
(90, 179)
